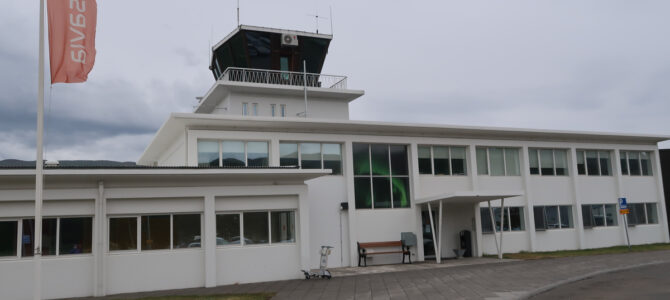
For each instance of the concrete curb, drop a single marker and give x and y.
(554, 285)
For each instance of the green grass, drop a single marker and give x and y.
(596, 251)
(258, 296)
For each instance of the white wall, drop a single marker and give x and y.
(257, 263)
(318, 107)
(325, 196)
(62, 277)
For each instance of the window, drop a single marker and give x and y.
(273, 110)
(123, 234)
(155, 232)
(8, 238)
(593, 162)
(552, 217)
(548, 162)
(311, 156)
(255, 228)
(255, 108)
(233, 153)
(186, 231)
(48, 237)
(514, 220)
(642, 213)
(208, 153)
(498, 161)
(442, 160)
(228, 229)
(245, 109)
(635, 163)
(283, 110)
(283, 228)
(75, 235)
(381, 177)
(595, 215)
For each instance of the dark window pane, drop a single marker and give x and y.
(516, 218)
(441, 160)
(381, 192)
(486, 220)
(399, 160)
(361, 159)
(425, 166)
(624, 163)
(598, 215)
(561, 158)
(400, 191)
(186, 231)
(497, 217)
(155, 232)
(380, 159)
(332, 158)
(75, 235)
(232, 154)
(645, 162)
(587, 216)
(255, 228)
(208, 153)
(533, 162)
(611, 215)
(257, 154)
(27, 237)
(283, 226)
(652, 215)
(228, 229)
(638, 212)
(458, 160)
(538, 212)
(547, 161)
(634, 163)
(363, 193)
(288, 154)
(8, 233)
(581, 167)
(566, 216)
(604, 163)
(122, 234)
(310, 155)
(592, 163)
(551, 215)
(49, 227)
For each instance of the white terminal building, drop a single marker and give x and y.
(269, 167)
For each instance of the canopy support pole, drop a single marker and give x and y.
(502, 226)
(439, 234)
(432, 229)
(493, 225)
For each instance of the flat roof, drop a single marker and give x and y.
(175, 124)
(469, 197)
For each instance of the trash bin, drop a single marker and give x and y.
(466, 242)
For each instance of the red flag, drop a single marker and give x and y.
(71, 39)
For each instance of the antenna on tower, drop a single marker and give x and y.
(238, 13)
(316, 19)
(330, 9)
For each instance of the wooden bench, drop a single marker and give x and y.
(363, 250)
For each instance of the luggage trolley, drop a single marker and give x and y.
(323, 273)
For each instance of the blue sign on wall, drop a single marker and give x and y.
(622, 203)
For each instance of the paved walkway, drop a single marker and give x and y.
(509, 280)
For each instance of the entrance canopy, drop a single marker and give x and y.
(465, 197)
(469, 197)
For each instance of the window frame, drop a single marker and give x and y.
(390, 176)
(139, 233)
(449, 159)
(504, 156)
(269, 212)
(245, 108)
(246, 152)
(19, 237)
(508, 219)
(558, 216)
(537, 156)
(598, 159)
(625, 155)
(646, 214)
(323, 162)
(604, 217)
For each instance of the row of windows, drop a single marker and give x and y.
(436, 160)
(311, 156)
(174, 231)
(560, 216)
(60, 236)
(254, 109)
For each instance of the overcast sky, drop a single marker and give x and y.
(566, 65)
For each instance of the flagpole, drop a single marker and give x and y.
(37, 237)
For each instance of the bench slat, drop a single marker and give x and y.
(381, 244)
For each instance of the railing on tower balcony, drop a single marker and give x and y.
(284, 78)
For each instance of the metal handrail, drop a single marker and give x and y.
(284, 78)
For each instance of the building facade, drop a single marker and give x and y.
(269, 167)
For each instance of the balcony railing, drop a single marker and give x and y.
(284, 78)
